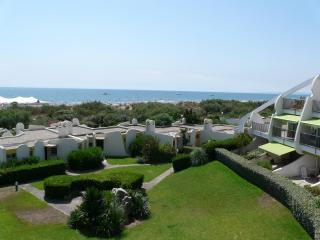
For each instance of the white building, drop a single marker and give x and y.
(58, 140)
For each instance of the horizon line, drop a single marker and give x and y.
(126, 89)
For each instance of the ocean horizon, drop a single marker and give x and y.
(118, 96)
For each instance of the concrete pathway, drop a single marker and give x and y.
(68, 207)
(158, 179)
(62, 206)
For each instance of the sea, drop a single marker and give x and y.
(117, 96)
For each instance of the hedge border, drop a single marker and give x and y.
(66, 186)
(299, 201)
(30, 172)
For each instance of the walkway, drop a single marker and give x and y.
(62, 206)
(158, 179)
(67, 207)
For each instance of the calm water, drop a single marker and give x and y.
(71, 96)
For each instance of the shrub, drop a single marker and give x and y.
(58, 187)
(25, 173)
(63, 187)
(165, 153)
(10, 163)
(181, 162)
(229, 144)
(315, 191)
(85, 159)
(150, 149)
(97, 216)
(136, 146)
(265, 164)
(162, 119)
(140, 205)
(298, 200)
(198, 157)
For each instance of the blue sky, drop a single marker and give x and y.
(239, 46)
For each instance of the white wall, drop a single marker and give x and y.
(130, 137)
(294, 169)
(22, 152)
(114, 145)
(65, 146)
(39, 150)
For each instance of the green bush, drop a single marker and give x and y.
(36, 171)
(165, 154)
(85, 159)
(181, 162)
(229, 144)
(315, 191)
(140, 204)
(198, 157)
(299, 201)
(58, 187)
(136, 146)
(150, 150)
(11, 163)
(162, 119)
(265, 164)
(64, 187)
(97, 216)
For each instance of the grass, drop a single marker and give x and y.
(206, 202)
(13, 228)
(149, 172)
(212, 202)
(122, 161)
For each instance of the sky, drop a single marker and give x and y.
(199, 45)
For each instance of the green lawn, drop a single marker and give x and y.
(207, 202)
(13, 228)
(149, 172)
(212, 202)
(122, 161)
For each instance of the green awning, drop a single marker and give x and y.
(314, 122)
(288, 117)
(277, 149)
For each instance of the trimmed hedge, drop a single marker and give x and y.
(85, 159)
(64, 187)
(298, 200)
(229, 144)
(25, 173)
(181, 162)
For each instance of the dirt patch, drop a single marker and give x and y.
(6, 192)
(41, 216)
(266, 201)
(133, 224)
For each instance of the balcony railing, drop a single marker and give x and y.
(261, 127)
(293, 104)
(310, 140)
(283, 133)
(316, 106)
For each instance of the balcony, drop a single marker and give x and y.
(260, 127)
(310, 140)
(293, 106)
(283, 133)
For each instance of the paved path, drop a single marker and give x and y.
(157, 180)
(64, 207)
(68, 207)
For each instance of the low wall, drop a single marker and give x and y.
(298, 200)
(294, 169)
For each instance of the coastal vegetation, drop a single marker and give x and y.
(96, 114)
